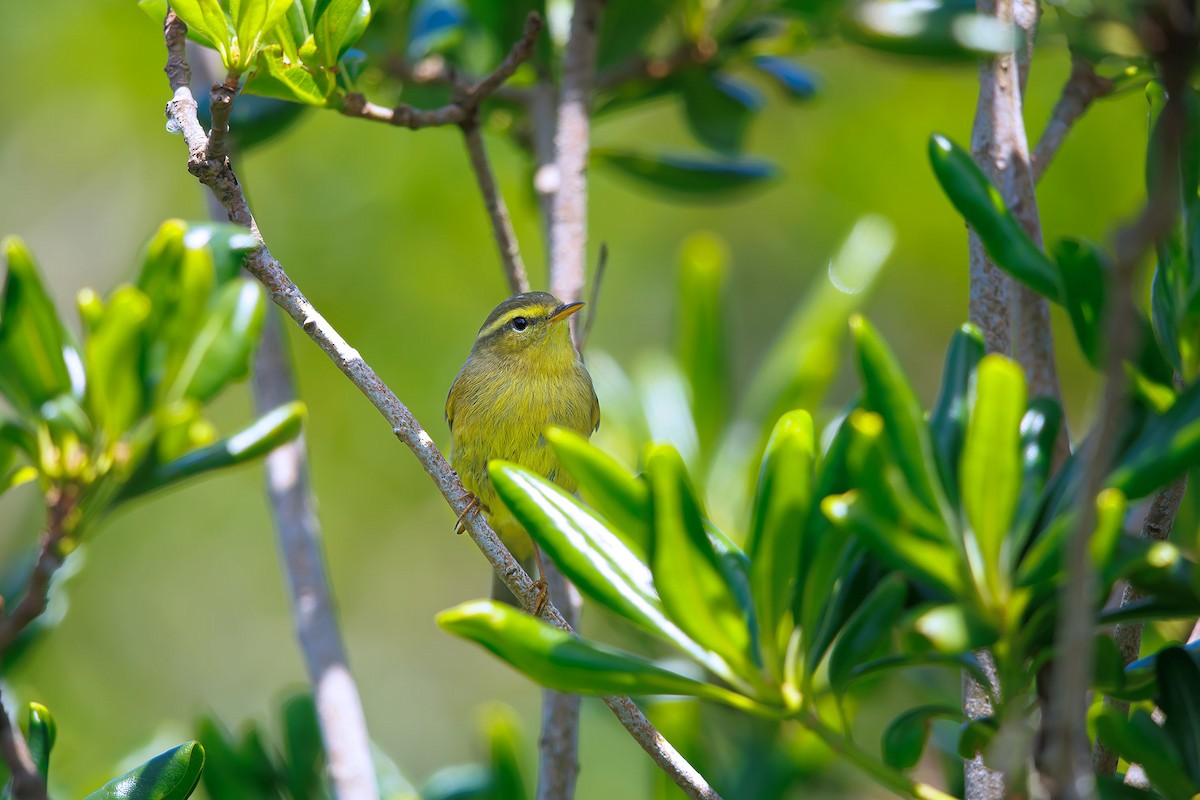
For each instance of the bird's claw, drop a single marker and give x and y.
(543, 596)
(473, 506)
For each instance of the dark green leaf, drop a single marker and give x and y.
(985, 211)
(948, 420)
(793, 78)
(1179, 693)
(781, 509)
(1169, 444)
(1039, 431)
(559, 660)
(719, 108)
(625, 28)
(302, 744)
(170, 776)
(234, 771)
(701, 334)
(502, 729)
(888, 393)
(436, 26)
(462, 782)
(1085, 274)
(867, 631)
(904, 738)
(688, 177)
(1138, 740)
(260, 437)
(975, 735)
(687, 570)
(32, 367)
(42, 733)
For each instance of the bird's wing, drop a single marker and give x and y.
(450, 399)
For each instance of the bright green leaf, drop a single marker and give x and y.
(114, 353)
(701, 334)
(223, 348)
(32, 338)
(170, 776)
(42, 733)
(211, 22)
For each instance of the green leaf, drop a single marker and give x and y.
(1039, 432)
(1085, 276)
(701, 334)
(888, 393)
(42, 733)
(944, 31)
(774, 543)
(251, 19)
(868, 630)
(794, 79)
(718, 108)
(1169, 444)
(559, 660)
(337, 24)
(975, 735)
(609, 488)
(302, 744)
(260, 437)
(223, 348)
(1138, 740)
(169, 776)
(595, 558)
(626, 26)
(806, 354)
(1179, 691)
(981, 205)
(687, 570)
(688, 177)
(280, 79)
(232, 770)
(32, 338)
(990, 472)
(115, 393)
(948, 420)
(502, 730)
(209, 20)
(904, 738)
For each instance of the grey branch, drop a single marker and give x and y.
(1082, 88)
(26, 782)
(339, 709)
(221, 180)
(1128, 635)
(1069, 750)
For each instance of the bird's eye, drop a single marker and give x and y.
(520, 323)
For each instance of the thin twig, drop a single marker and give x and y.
(220, 107)
(436, 71)
(1082, 88)
(467, 101)
(221, 180)
(493, 201)
(26, 782)
(1069, 749)
(60, 503)
(594, 297)
(1128, 635)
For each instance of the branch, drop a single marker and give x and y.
(1128, 635)
(26, 782)
(1069, 749)
(1082, 88)
(60, 503)
(221, 180)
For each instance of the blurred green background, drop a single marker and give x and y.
(177, 606)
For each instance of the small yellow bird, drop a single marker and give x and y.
(523, 374)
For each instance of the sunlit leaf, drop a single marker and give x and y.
(222, 349)
(32, 366)
(42, 733)
(170, 776)
(701, 334)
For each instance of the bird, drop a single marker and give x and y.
(522, 375)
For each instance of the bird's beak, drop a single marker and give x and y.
(564, 311)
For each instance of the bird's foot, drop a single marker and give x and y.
(474, 506)
(543, 596)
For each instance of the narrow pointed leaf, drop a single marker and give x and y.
(334, 23)
(1039, 431)
(32, 367)
(559, 660)
(904, 738)
(1179, 693)
(792, 77)
(867, 631)
(260, 437)
(222, 350)
(686, 568)
(502, 731)
(42, 733)
(302, 744)
(688, 177)
(889, 394)
(595, 559)
(1169, 444)
(718, 108)
(781, 509)
(207, 19)
(948, 420)
(1138, 740)
(1085, 272)
(990, 472)
(981, 204)
(252, 19)
(701, 334)
(170, 776)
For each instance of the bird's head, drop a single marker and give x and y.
(527, 324)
